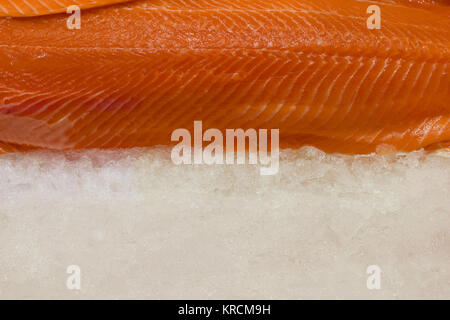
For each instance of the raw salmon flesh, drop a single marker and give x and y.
(136, 71)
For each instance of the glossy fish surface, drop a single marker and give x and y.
(135, 72)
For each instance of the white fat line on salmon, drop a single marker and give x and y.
(74, 21)
(213, 153)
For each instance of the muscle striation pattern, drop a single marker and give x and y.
(31, 8)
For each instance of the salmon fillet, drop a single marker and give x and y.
(137, 71)
(31, 8)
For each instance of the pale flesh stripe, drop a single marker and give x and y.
(12, 2)
(122, 93)
(60, 114)
(444, 127)
(375, 136)
(209, 85)
(194, 100)
(61, 5)
(223, 96)
(261, 108)
(356, 68)
(94, 3)
(92, 139)
(224, 93)
(231, 97)
(355, 116)
(53, 117)
(428, 127)
(60, 117)
(28, 101)
(143, 116)
(396, 85)
(109, 74)
(66, 111)
(261, 48)
(320, 65)
(293, 83)
(392, 71)
(318, 89)
(244, 5)
(98, 98)
(147, 84)
(307, 65)
(414, 88)
(254, 4)
(61, 76)
(257, 84)
(337, 64)
(83, 132)
(55, 135)
(426, 89)
(372, 88)
(10, 96)
(85, 127)
(65, 99)
(54, 79)
(160, 8)
(44, 4)
(315, 69)
(280, 92)
(177, 117)
(418, 131)
(49, 99)
(167, 83)
(264, 89)
(172, 111)
(337, 104)
(60, 102)
(356, 92)
(278, 10)
(28, 8)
